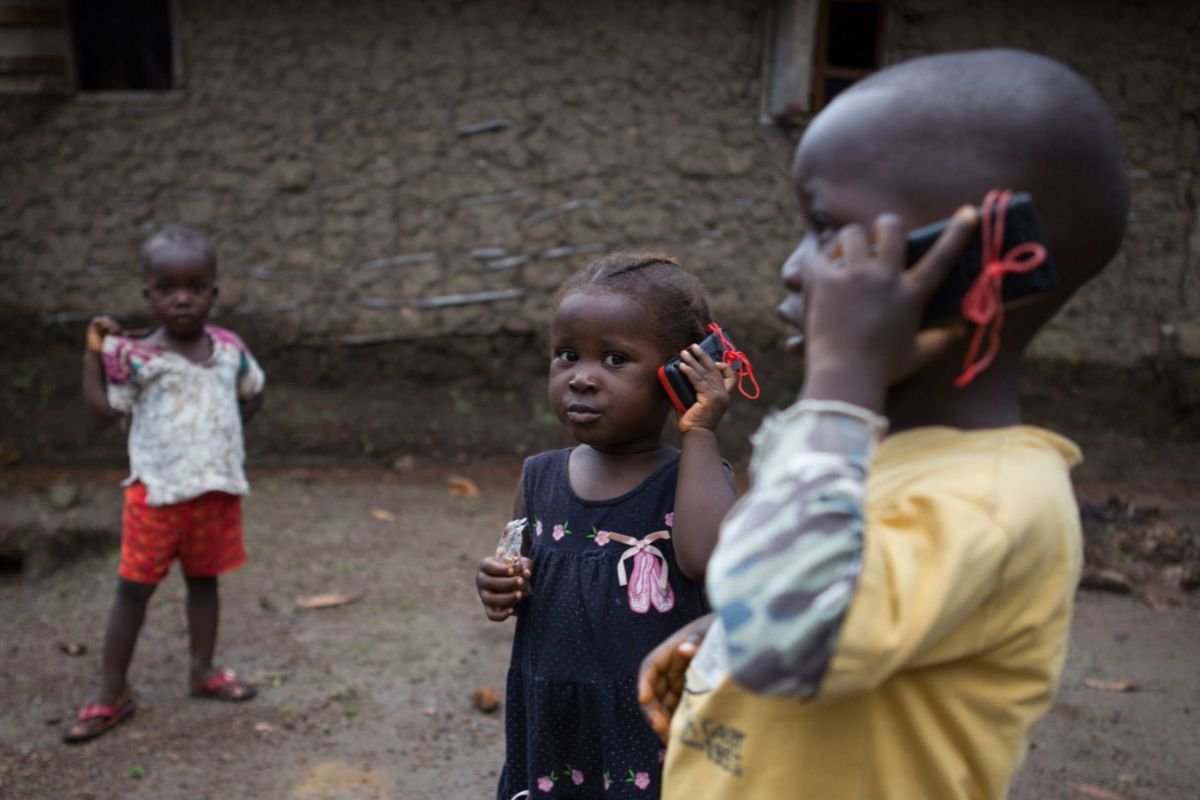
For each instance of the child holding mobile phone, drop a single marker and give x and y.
(620, 528)
(892, 612)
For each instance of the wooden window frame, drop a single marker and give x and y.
(174, 14)
(55, 73)
(822, 70)
(795, 56)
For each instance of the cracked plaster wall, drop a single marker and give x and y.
(390, 170)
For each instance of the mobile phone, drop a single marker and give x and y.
(1021, 224)
(677, 386)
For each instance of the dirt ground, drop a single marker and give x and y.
(373, 699)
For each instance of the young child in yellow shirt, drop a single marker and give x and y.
(892, 613)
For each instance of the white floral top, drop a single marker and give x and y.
(185, 433)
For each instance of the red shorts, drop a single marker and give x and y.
(205, 533)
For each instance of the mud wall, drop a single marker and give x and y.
(1143, 57)
(394, 171)
(390, 170)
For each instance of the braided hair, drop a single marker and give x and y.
(673, 298)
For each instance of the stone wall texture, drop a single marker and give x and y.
(385, 170)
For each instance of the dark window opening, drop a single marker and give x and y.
(122, 44)
(11, 563)
(852, 28)
(849, 46)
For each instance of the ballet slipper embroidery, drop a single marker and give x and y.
(648, 584)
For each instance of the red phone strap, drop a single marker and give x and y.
(983, 304)
(737, 360)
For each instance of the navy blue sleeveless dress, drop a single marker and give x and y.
(605, 590)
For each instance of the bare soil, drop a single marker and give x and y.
(373, 698)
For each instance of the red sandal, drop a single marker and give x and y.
(95, 719)
(225, 685)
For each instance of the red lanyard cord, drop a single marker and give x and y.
(983, 304)
(737, 360)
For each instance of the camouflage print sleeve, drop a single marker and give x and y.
(784, 571)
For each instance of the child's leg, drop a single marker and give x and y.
(203, 613)
(212, 545)
(120, 637)
(112, 700)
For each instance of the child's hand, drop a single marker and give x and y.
(712, 380)
(501, 586)
(862, 309)
(661, 677)
(97, 329)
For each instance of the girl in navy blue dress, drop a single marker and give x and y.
(620, 530)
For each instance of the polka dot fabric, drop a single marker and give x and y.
(573, 725)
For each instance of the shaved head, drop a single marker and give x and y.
(176, 244)
(942, 130)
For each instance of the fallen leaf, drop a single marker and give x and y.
(382, 514)
(72, 648)
(1106, 579)
(326, 601)
(464, 487)
(486, 699)
(1110, 686)
(431, 711)
(264, 727)
(1096, 792)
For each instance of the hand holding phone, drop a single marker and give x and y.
(1019, 226)
(720, 348)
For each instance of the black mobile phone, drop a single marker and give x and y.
(1021, 224)
(677, 386)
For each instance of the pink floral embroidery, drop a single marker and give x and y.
(558, 532)
(669, 520)
(537, 529)
(602, 538)
(576, 777)
(641, 780)
(545, 784)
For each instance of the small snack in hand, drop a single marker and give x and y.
(509, 547)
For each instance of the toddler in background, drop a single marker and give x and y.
(187, 387)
